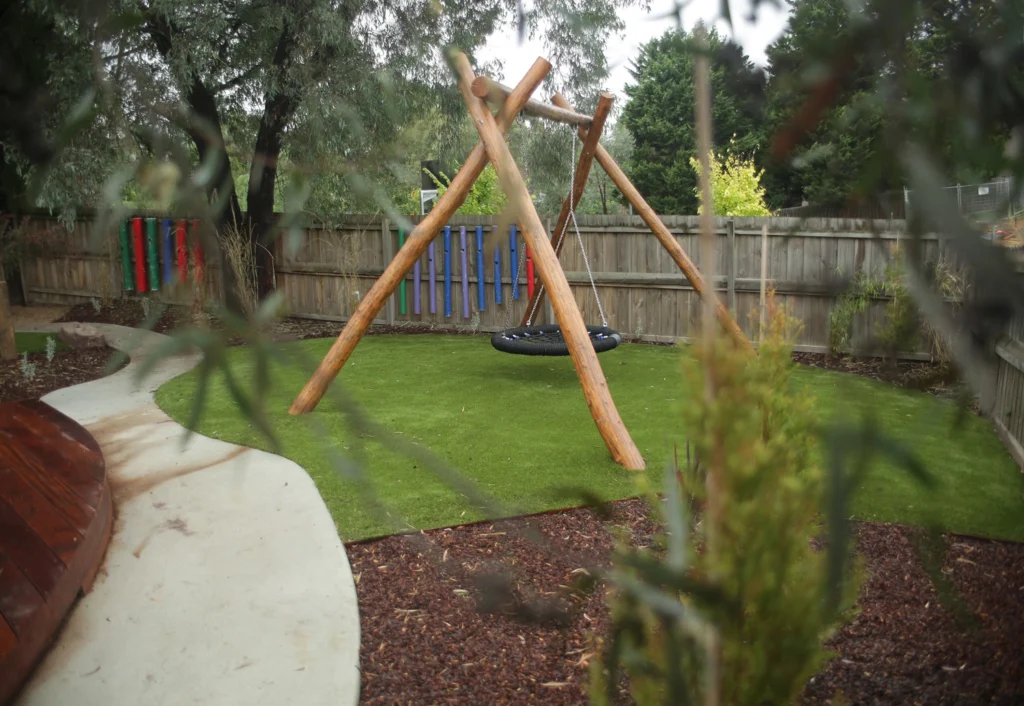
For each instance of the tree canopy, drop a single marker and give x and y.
(821, 122)
(329, 106)
(223, 95)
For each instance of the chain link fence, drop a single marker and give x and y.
(991, 204)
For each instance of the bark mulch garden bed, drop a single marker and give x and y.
(126, 312)
(912, 374)
(68, 367)
(439, 627)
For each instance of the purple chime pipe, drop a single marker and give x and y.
(433, 279)
(416, 282)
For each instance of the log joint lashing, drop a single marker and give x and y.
(496, 93)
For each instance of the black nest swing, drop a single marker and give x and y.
(547, 339)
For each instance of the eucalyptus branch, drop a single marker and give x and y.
(239, 79)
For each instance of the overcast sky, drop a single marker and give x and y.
(641, 27)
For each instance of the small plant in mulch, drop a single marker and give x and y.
(734, 605)
(28, 370)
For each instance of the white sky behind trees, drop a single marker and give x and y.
(641, 27)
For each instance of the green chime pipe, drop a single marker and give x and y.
(126, 257)
(153, 254)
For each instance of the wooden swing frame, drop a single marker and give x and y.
(477, 92)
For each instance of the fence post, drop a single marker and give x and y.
(24, 284)
(959, 200)
(8, 345)
(730, 265)
(389, 255)
(764, 279)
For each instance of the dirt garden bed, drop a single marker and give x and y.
(925, 376)
(68, 367)
(429, 636)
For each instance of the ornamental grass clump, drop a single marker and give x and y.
(732, 605)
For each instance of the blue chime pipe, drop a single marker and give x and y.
(167, 243)
(464, 272)
(497, 275)
(481, 299)
(514, 262)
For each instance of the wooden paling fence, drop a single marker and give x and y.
(642, 292)
(1007, 399)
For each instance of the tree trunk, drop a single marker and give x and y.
(278, 110)
(207, 133)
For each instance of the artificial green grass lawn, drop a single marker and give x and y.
(519, 427)
(32, 342)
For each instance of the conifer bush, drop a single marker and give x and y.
(732, 605)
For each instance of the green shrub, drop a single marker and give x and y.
(731, 607)
(485, 198)
(854, 300)
(735, 186)
(902, 328)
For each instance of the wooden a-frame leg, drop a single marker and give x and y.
(415, 245)
(650, 217)
(591, 142)
(595, 387)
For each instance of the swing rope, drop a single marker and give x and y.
(561, 238)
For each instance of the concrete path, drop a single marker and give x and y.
(225, 581)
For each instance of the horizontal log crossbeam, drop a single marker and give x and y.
(496, 93)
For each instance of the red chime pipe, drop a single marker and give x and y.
(139, 248)
(181, 250)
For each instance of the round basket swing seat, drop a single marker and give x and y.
(548, 340)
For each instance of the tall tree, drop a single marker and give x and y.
(823, 170)
(659, 115)
(44, 71)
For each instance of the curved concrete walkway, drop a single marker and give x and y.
(225, 581)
